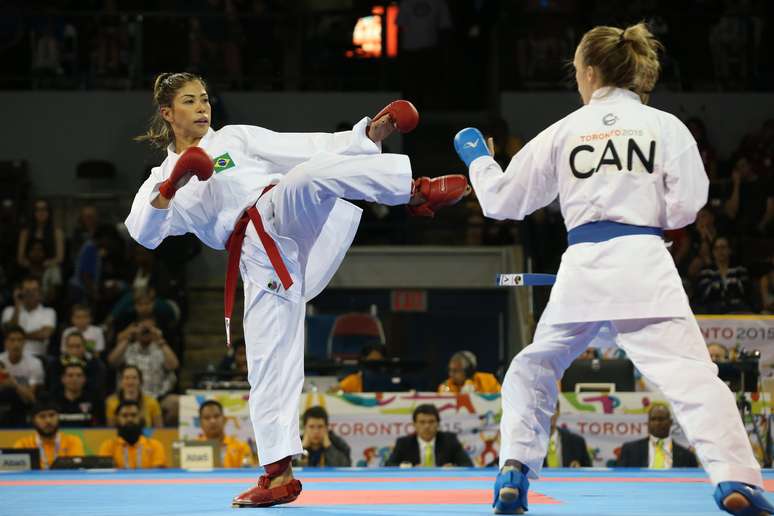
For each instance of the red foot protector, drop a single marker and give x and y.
(261, 495)
(402, 113)
(438, 192)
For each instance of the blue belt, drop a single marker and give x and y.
(603, 230)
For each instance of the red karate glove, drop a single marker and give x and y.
(193, 162)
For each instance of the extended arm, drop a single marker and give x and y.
(526, 185)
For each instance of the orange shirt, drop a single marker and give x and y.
(352, 383)
(150, 453)
(481, 382)
(234, 453)
(150, 408)
(62, 445)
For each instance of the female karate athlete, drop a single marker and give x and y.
(275, 203)
(624, 173)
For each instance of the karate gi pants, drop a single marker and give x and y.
(298, 209)
(669, 352)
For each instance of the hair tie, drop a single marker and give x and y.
(621, 40)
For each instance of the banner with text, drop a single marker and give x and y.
(371, 422)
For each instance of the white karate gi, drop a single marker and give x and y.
(618, 160)
(310, 223)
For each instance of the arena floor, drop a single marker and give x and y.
(357, 492)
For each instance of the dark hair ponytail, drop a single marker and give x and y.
(165, 87)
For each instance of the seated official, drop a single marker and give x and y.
(321, 446)
(233, 452)
(130, 449)
(428, 447)
(463, 376)
(369, 353)
(657, 451)
(565, 449)
(47, 438)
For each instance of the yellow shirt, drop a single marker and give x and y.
(150, 409)
(352, 383)
(481, 382)
(233, 452)
(149, 451)
(62, 445)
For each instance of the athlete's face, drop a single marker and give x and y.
(584, 76)
(190, 112)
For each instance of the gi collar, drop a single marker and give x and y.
(206, 138)
(609, 94)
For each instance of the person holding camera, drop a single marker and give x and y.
(37, 321)
(143, 345)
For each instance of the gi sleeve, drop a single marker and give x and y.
(686, 186)
(148, 225)
(528, 184)
(286, 150)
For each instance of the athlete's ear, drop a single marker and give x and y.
(166, 113)
(591, 74)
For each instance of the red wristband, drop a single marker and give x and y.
(167, 189)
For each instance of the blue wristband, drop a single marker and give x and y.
(470, 144)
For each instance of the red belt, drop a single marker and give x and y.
(234, 248)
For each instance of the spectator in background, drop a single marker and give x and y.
(147, 274)
(143, 345)
(37, 321)
(428, 447)
(21, 376)
(46, 55)
(145, 305)
(74, 350)
(702, 235)
(47, 438)
(42, 229)
(234, 368)
(748, 203)
(463, 376)
(77, 407)
(130, 449)
(723, 288)
(767, 288)
(80, 319)
(322, 447)
(50, 277)
(233, 452)
(422, 24)
(565, 449)
(354, 381)
(718, 352)
(708, 154)
(657, 451)
(85, 230)
(130, 389)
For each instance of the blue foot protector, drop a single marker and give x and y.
(510, 492)
(755, 496)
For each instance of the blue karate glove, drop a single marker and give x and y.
(470, 144)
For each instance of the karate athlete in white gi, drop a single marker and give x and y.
(624, 172)
(275, 203)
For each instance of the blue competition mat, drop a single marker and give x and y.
(421, 491)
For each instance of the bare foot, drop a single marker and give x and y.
(735, 503)
(381, 129)
(283, 479)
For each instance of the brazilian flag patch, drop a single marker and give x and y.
(223, 162)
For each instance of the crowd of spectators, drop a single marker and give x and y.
(82, 312)
(272, 44)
